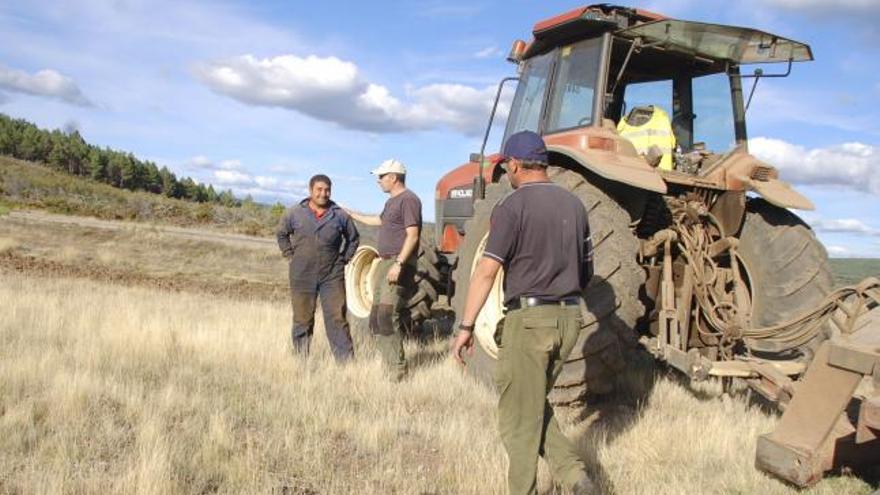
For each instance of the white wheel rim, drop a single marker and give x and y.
(359, 281)
(493, 310)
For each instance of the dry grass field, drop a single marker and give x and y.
(144, 359)
(105, 388)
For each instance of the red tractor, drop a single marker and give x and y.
(699, 258)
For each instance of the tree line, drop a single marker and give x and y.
(68, 152)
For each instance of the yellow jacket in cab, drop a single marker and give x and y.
(649, 126)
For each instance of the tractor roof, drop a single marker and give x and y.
(711, 41)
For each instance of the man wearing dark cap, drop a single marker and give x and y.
(540, 235)
(318, 238)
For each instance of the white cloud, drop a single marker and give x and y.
(232, 178)
(844, 226)
(203, 162)
(838, 251)
(200, 161)
(489, 52)
(853, 165)
(47, 83)
(258, 186)
(820, 5)
(266, 182)
(330, 89)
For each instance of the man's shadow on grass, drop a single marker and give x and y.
(619, 376)
(427, 334)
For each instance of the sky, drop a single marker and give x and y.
(259, 96)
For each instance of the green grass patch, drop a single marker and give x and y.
(849, 271)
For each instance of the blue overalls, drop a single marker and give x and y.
(317, 250)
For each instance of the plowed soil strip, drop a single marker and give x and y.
(237, 289)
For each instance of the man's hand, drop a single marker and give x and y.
(374, 220)
(464, 340)
(393, 274)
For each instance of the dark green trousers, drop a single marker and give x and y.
(389, 302)
(534, 345)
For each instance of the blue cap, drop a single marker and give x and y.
(526, 146)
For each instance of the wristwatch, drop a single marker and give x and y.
(398, 263)
(469, 328)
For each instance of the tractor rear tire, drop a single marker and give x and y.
(787, 266)
(359, 290)
(612, 296)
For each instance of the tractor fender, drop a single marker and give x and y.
(630, 170)
(779, 193)
(740, 170)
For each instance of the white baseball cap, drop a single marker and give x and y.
(390, 166)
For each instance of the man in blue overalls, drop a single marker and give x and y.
(318, 238)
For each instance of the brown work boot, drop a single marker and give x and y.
(585, 486)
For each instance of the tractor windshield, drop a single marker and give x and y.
(570, 102)
(525, 112)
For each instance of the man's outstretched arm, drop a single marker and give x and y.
(373, 220)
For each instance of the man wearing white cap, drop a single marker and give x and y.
(400, 225)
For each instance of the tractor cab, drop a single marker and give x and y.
(670, 109)
(668, 83)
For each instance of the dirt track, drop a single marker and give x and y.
(237, 289)
(239, 240)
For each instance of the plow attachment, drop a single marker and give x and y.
(834, 415)
(822, 367)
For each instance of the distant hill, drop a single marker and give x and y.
(32, 185)
(68, 152)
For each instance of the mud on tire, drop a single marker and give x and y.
(787, 266)
(612, 302)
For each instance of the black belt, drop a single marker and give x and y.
(530, 302)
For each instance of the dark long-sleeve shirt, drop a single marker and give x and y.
(318, 248)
